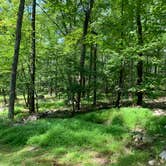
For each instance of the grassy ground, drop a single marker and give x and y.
(100, 138)
(48, 103)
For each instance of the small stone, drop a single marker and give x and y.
(147, 139)
(31, 118)
(163, 155)
(152, 162)
(32, 148)
(137, 137)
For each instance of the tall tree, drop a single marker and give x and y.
(15, 60)
(140, 62)
(121, 73)
(88, 11)
(32, 60)
(95, 75)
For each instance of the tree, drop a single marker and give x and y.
(140, 62)
(87, 11)
(15, 59)
(32, 61)
(121, 73)
(95, 75)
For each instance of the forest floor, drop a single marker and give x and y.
(129, 136)
(158, 106)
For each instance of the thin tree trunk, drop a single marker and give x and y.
(131, 79)
(140, 62)
(90, 72)
(120, 84)
(117, 104)
(4, 96)
(83, 51)
(25, 99)
(95, 75)
(15, 60)
(32, 60)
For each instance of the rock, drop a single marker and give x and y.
(31, 118)
(32, 148)
(152, 162)
(137, 138)
(147, 139)
(163, 155)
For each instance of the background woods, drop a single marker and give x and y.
(85, 50)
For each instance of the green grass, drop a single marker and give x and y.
(85, 139)
(51, 104)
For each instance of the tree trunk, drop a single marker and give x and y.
(32, 61)
(83, 51)
(95, 75)
(4, 96)
(120, 84)
(15, 60)
(117, 104)
(25, 99)
(90, 72)
(140, 62)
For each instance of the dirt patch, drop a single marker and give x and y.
(100, 159)
(159, 103)
(159, 112)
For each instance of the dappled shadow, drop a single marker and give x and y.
(156, 103)
(152, 105)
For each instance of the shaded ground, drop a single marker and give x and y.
(158, 106)
(52, 108)
(159, 103)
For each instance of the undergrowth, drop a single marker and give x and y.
(104, 135)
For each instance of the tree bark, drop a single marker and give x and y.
(94, 75)
(32, 60)
(140, 62)
(4, 96)
(121, 73)
(90, 72)
(15, 60)
(83, 51)
(117, 104)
